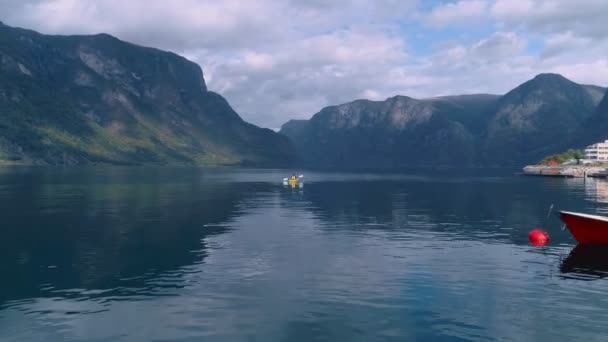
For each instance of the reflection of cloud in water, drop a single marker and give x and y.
(278, 274)
(482, 210)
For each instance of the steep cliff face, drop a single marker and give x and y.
(535, 119)
(397, 132)
(532, 120)
(87, 99)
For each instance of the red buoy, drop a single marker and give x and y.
(538, 237)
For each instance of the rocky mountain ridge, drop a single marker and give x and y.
(97, 99)
(539, 117)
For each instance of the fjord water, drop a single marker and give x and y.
(187, 254)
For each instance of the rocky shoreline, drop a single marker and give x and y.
(567, 171)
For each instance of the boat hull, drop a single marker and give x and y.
(587, 229)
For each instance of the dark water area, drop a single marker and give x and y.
(186, 254)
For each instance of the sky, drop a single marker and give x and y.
(280, 60)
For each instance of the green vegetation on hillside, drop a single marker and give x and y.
(96, 99)
(563, 157)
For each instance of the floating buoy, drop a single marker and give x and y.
(538, 237)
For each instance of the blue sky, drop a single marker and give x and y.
(277, 60)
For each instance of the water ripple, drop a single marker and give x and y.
(190, 254)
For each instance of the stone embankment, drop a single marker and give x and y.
(567, 171)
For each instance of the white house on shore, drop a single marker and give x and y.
(597, 151)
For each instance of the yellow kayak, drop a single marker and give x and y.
(293, 181)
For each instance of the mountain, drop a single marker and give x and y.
(532, 120)
(397, 132)
(595, 128)
(596, 92)
(472, 130)
(97, 99)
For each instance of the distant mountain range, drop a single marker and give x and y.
(96, 99)
(545, 115)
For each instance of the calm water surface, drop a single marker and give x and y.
(185, 254)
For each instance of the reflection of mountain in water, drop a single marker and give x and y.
(107, 229)
(586, 262)
(127, 230)
(475, 209)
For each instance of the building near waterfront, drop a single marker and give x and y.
(598, 151)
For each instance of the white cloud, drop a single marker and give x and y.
(179, 24)
(309, 73)
(506, 9)
(563, 43)
(595, 72)
(259, 61)
(276, 60)
(458, 12)
(371, 94)
(499, 46)
(490, 65)
(582, 17)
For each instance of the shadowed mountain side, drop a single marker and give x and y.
(595, 128)
(97, 99)
(535, 119)
(398, 132)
